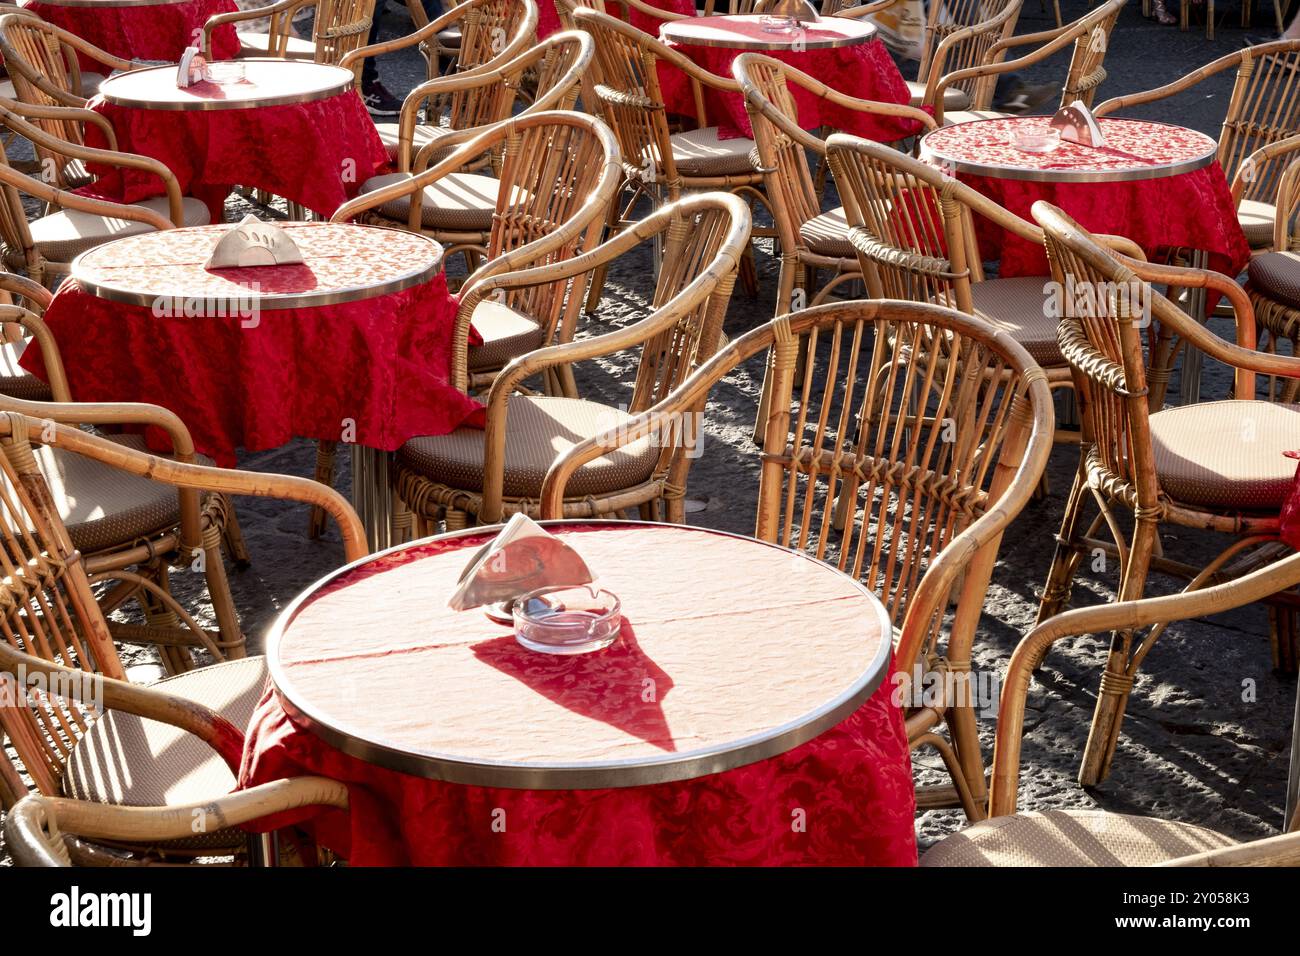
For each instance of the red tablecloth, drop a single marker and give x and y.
(316, 154)
(1192, 210)
(382, 363)
(548, 20)
(153, 32)
(865, 70)
(853, 783)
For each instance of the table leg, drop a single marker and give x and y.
(372, 494)
(1293, 777)
(1189, 391)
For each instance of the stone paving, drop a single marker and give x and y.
(1208, 727)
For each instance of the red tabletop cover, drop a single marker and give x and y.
(382, 364)
(316, 154)
(158, 31)
(845, 797)
(864, 70)
(1191, 210)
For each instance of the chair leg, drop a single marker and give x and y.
(456, 519)
(223, 601)
(325, 452)
(1069, 551)
(597, 285)
(233, 538)
(1284, 635)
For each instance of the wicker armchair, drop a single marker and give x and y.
(1273, 278)
(809, 238)
(913, 503)
(1264, 109)
(545, 76)
(338, 28)
(57, 831)
(1088, 39)
(1093, 838)
(14, 379)
(175, 742)
(1216, 466)
(487, 475)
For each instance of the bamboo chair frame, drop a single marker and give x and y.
(791, 191)
(492, 32)
(1088, 37)
(1117, 393)
(703, 238)
(927, 513)
(51, 625)
(338, 28)
(1263, 110)
(1276, 319)
(546, 75)
(57, 831)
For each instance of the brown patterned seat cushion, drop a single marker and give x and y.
(700, 152)
(422, 136)
(64, 235)
(1017, 306)
(954, 98)
(953, 117)
(258, 44)
(1072, 838)
(1277, 276)
(828, 234)
(17, 381)
(538, 431)
(130, 761)
(1256, 220)
(1227, 454)
(457, 201)
(506, 333)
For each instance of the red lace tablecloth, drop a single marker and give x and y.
(1187, 210)
(155, 31)
(378, 650)
(315, 153)
(255, 378)
(864, 70)
(548, 20)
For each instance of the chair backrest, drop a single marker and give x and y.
(340, 27)
(960, 34)
(1092, 39)
(489, 28)
(42, 63)
(15, 233)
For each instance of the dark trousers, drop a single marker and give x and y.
(370, 69)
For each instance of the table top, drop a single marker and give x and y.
(732, 650)
(1134, 150)
(267, 82)
(342, 262)
(106, 4)
(745, 32)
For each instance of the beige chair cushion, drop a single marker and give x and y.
(1072, 838)
(64, 235)
(257, 44)
(422, 136)
(1256, 220)
(699, 152)
(828, 234)
(17, 381)
(954, 98)
(970, 116)
(458, 201)
(449, 37)
(1277, 276)
(506, 333)
(102, 506)
(1227, 454)
(128, 760)
(538, 431)
(1017, 306)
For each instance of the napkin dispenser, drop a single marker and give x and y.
(192, 68)
(1077, 125)
(800, 10)
(521, 559)
(254, 243)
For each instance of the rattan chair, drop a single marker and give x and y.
(1263, 109)
(45, 247)
(1273, 278)
(14, 379)
(809, 238)
(57, 831)
(338, 28)
(1089, 837)
(544, 77)
(484, 476)
(1215, 466)
(175, 742)
(1088, 39)
(915, 438)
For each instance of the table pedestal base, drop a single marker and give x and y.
(372, 494)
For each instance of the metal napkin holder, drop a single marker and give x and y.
(254, 243)
(800, 10)
(1077, 125)
(523, 558)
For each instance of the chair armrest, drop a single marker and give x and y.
(655, 12)
(1248, 171)
(33, 292)
(426, 32)
(76, 114)
(1054, 42)
(1281, 850)
(865, 9)
(35, 326)
(239, 16)
(935, 66)
(69, 200)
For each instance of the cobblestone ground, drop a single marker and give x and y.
(1196, 745)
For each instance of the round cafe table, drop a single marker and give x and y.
(742, 715)
(140, 29)
(352, 345)
(294, 128)
(843, 53)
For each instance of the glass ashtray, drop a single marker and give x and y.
(1040, 141)
(770, 24)
(567, 620)
(226, 72)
